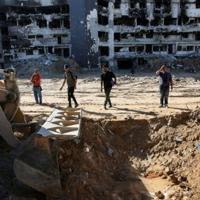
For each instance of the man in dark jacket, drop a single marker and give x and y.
(71, 83)
(165, 84)
(108, 79)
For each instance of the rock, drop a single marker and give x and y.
(160, 195)
(110, 152)
(182, 185)
(168, 171)
(184, 178)
(164, 176)
(178, 140)
(174, 179)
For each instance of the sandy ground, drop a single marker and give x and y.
(133, 97)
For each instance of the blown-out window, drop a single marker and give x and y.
(197, 3)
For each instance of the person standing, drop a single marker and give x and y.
(165, 84)
(71, 83)
(37, 89)
(108, 80)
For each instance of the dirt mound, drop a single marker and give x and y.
(132, 159)
(113, 156)
(98, 167)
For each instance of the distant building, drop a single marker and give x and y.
(120, 32)
(35, 30)
(133, 30)
(2, 26)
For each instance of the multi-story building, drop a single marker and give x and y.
(36, 28)
(1, 41)
(137, 30)
(121, 32)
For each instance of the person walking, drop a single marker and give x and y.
(165, 84)
(108, 80)
(71, 80)
(37, 89)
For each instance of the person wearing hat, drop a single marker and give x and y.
(71, 80)
(108, 80)
(165, 84)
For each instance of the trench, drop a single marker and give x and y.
(132, 159)
(129, 159)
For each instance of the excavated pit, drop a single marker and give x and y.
(126, 160)
(134, 159)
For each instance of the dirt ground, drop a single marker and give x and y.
(133, 97)
(134, 159)
(133, 151)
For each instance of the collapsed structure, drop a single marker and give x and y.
(130, 29)
(35, 29)
(122, 32)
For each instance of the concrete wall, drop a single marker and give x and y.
(78, 31)
(1, 48)
(92, 35)
(82, 11)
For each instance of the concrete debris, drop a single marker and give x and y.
(108, 162)
(160, 195)
(63, 125)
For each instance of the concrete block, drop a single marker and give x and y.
(63, 125)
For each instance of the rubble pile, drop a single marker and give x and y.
(98, 167)
(48, 65)
(112, 160)
(114, 156)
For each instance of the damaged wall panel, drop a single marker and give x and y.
(84, 33)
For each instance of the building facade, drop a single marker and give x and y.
(120, 32)
(135, 30)
(36, 29)
(2, 25)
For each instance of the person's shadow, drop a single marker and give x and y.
(136, 111)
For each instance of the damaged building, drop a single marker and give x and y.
(132, 31)
(124, 33)
(35, 28)
(2, 26)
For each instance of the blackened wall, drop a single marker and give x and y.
(80, 36)
(1, 38)
(78, 31)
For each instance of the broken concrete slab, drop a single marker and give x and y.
(64, 125)
(6, 130)
(57, 114)
(55, 131)
(37, 167)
